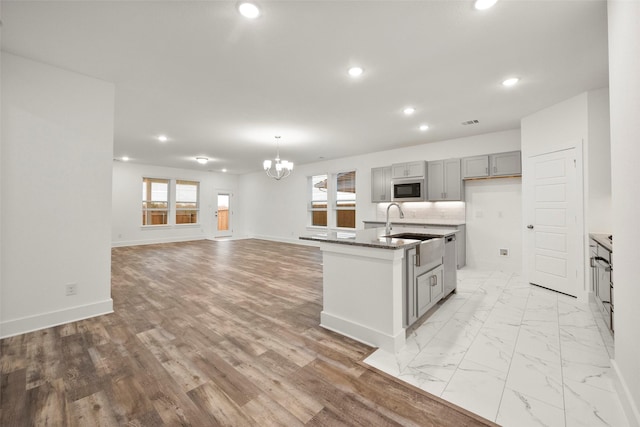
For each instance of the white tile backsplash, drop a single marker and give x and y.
(428, 211)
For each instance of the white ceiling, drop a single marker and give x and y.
(221, 86)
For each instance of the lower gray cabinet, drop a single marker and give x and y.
(429, 289)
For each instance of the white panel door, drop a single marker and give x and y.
(552, 230)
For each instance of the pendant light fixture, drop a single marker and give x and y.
(281, 168)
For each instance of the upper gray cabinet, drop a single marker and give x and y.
(444, 181)
(506, 164)
(499, 164)
(408, 170)
(381, 184)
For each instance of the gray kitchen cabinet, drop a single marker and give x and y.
(498, 164)
(475, 167)
(430, 289)
(506, 164)
(443, 180)
(381, 184)
(408, 170)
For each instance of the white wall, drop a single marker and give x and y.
(581, 121)
(494, 221)
(57, 146)
(127, 204)
(624, 69)
(598, 210)
(278, 209)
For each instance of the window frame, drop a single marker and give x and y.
(185, 209)
(146, 211)
(336, 206)
(311, 209)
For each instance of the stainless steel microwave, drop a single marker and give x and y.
(409, 190)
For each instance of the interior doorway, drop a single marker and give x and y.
(553, 243)
(223, 215)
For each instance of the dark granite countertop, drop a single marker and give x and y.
(419, 221)
(375, 237)
(603, 240)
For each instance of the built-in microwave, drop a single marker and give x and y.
(409, 190)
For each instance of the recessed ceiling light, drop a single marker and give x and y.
(409, 111)
(510, 82)
(484, 4)
(356, 71)
(125, 159)
(162, 138)
(249, 10)
(202, 160)
(424, 127)
(224, 170)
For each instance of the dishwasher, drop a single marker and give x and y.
(450, 264)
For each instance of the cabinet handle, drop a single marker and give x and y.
(486, 170)
(434, 280)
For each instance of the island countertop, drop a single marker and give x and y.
(375, 237)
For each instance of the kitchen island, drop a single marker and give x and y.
(364, 292)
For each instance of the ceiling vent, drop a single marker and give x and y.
(470, 122)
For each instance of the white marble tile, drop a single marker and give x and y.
(423, 380)
(519, 410)
(514, 353)
(538, 343)
(537, 378)
(592, 406)
(477, 388)
(493, 347)
(595, 375)
(575, 315)
(425, 333)
(463, 327)
(439, 359)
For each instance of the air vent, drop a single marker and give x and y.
(470, 122)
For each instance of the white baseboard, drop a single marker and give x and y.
(628, 404)
(9, 328)
(363, 334)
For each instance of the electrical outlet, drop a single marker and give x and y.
(504, 252)
(71, 289)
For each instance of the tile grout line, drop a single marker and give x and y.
(515, 345)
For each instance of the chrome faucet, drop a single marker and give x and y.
(387, 230)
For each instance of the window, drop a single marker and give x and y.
(187, 202)
(155, 201)
(346, 199)
(318, 206)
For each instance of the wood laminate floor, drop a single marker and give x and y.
(208, 333)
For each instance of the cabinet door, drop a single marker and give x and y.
(506, 164)
(435, 180)
(423, 292)
(416, 169)
(475, 167)
(437, 284)
(452, 181)
(381, 184)
(399, 170)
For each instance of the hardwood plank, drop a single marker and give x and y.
(208, 333)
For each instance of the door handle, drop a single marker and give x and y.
(530, 227)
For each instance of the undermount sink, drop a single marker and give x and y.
(413, 236)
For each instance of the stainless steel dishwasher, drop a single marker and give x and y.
(450, 263)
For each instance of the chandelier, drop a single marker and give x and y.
(281, 168)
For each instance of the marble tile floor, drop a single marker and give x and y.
(517, 354)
